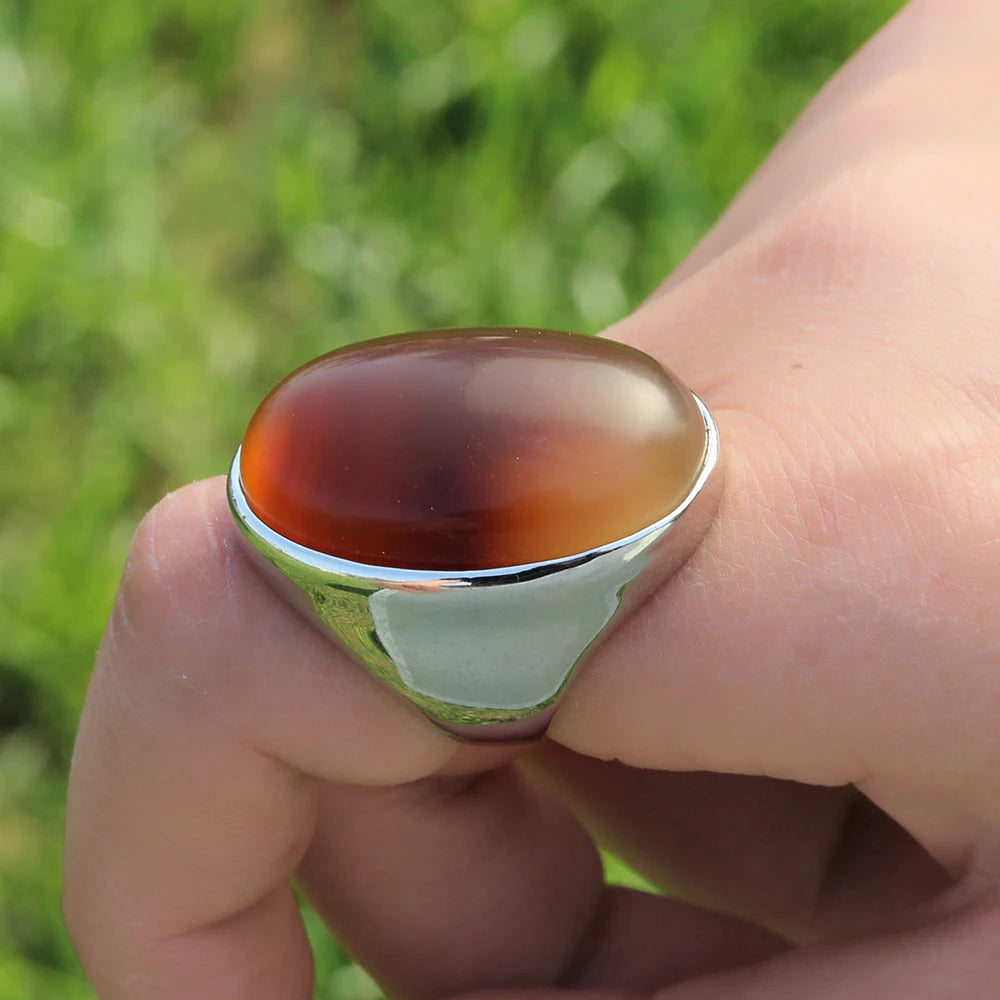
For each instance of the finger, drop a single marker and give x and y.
(447, 884)
(837, 624)
(954, 956)
(222, 736)
(213, 711)
(642, 942)
(453, 883)
(808, 862)
(556, 994)
(890, 87)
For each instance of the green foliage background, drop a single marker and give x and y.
(197, 197)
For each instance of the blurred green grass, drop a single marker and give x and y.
(195, 198)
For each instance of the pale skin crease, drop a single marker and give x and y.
(833, 643)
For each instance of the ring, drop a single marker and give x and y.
(471, 511)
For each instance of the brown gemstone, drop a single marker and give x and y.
(471, 449)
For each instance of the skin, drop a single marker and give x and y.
(797, 735)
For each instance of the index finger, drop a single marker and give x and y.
(213, 711)
(223, 736)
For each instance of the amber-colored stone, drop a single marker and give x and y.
(471, 449)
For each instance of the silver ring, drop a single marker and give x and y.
(486, 654)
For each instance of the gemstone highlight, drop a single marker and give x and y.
(456, 450)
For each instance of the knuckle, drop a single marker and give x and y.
(841, 237)
(889, 205)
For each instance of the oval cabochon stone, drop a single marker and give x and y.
(471, 449)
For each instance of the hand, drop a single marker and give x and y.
(797, 735)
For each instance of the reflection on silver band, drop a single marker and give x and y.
(487, 653)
